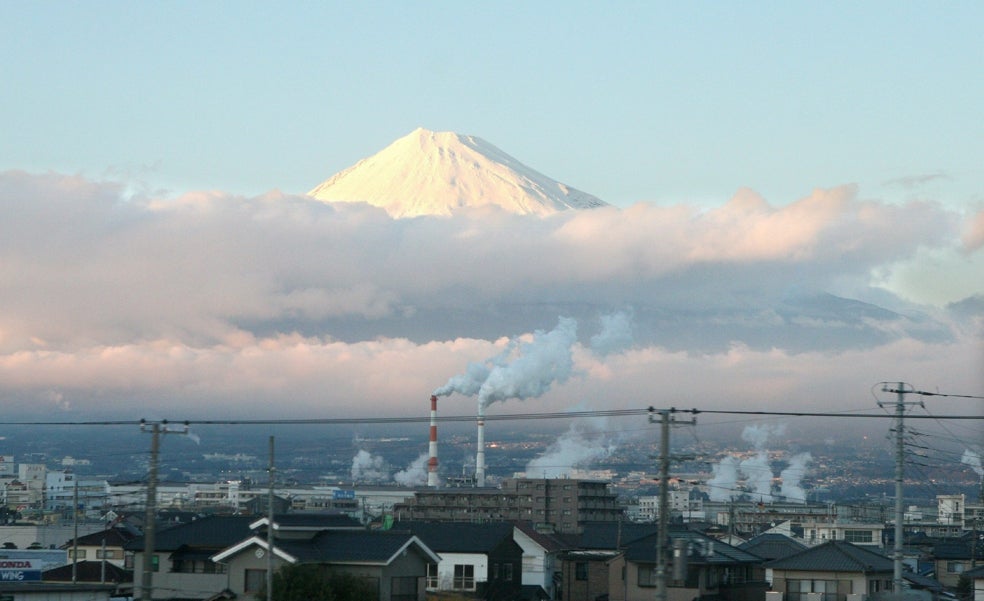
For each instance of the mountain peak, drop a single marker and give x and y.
(439, 173)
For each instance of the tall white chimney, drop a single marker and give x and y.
(480, 456)
(432, 447)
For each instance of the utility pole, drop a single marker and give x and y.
(662, 547)
(270, 534)
(901, 390)
(155, 429)
(75, 525)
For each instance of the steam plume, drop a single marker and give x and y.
(367, 467)
(615, 335)
(578, 447)
(415, 474)
(724, 484)
(973, 459)
(523, 370)
(791, 477)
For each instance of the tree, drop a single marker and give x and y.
(965, 588)
(312, 582)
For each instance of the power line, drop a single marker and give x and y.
(500, 417)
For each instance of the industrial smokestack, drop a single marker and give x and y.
(480, 456)
(432, 447)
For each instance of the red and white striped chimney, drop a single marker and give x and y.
(432, 447)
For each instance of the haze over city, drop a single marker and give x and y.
(791, 209)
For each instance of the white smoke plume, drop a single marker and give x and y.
(973, 459)
(580, 446)
(615, 335)
(724, 483)
(754, 475)
(758, 476)
(793, 475)
(524, 370)
(758, 435)
(415, 474)
(367, 467)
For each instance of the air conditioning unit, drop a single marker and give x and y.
(856, 597)
(812, 597)
(773, 596)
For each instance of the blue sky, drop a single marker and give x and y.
(630, 101)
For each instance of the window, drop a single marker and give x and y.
(432, 580)
(464, 577)
(155, 563)
(954, 567)
(832, 590)
(108, 554)
(647, 574)
(254, 580)
(858, 536)
(80, 555)
(495, 572)
(507, 572)
(581, 570)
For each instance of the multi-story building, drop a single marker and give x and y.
(565, 504)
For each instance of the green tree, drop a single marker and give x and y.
(312, 582)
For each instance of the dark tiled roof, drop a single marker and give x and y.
(548, 540)
(704, 549)
(114, 537)
(975, 573)
(347, 546)
(835, 556)
(213, 532)
(319, 521)
(955, 549)
(459, 537)
(613, 535)
(772, 546)
(88, 571)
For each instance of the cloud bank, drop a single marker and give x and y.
(274, 305)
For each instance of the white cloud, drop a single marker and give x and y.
(278, 304)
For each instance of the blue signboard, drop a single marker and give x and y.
(343, 494)
(20, 575)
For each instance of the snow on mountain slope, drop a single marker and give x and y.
(437, 173)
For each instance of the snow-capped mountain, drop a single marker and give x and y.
(438, 173)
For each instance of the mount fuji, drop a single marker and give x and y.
(440, 173)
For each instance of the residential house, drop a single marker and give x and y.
(182, 565)
(952, 558)
(586, 575)
(702, 567)
(105, 544)
(395, 563)
(976, 577)
(475, 558)
(541, 566)
(866, 534)
(770, 546)
(834, 571)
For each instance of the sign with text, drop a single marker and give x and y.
(20, 570)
